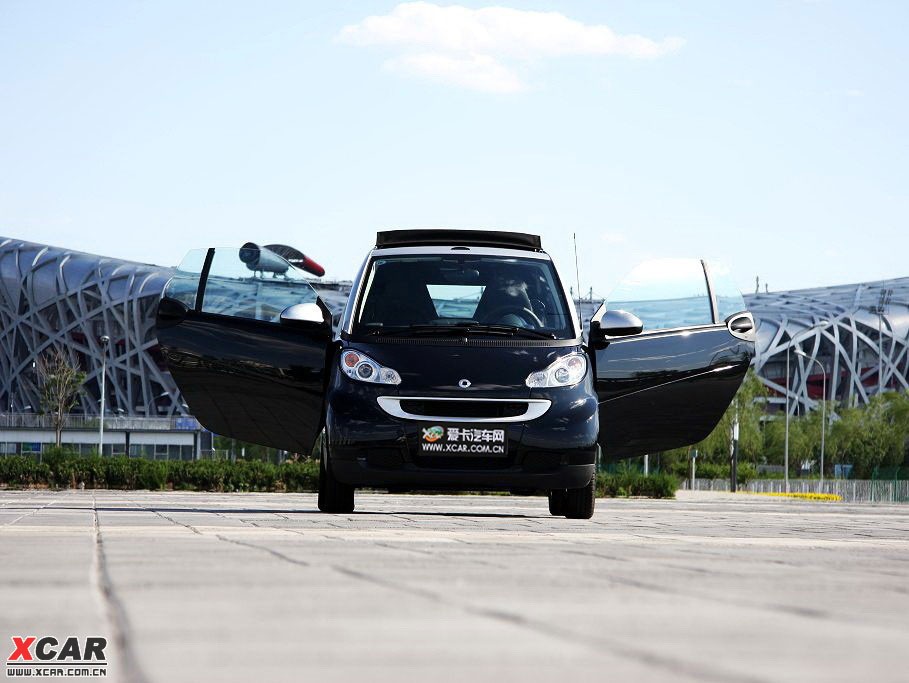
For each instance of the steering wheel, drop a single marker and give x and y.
(520, 311)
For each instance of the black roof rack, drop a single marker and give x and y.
(456, 238)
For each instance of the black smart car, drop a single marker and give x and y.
(459, 363)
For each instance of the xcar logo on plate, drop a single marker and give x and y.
(432, 434)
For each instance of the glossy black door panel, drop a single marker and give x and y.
(668, 386)
(242, 373)
(664, 391)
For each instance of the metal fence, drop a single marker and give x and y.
(850, 490)
(132, 424)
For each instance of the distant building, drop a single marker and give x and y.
(52, 297)
(851, 330)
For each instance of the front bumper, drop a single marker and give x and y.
(369, 447)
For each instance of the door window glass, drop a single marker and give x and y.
(728, 297)
(185, 282)
(665, 294)
(253, 283)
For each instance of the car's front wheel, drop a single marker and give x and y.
(579, 503)
(334, 496)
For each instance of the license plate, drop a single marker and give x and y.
(482, 441)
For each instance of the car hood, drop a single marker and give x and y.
(494, 367)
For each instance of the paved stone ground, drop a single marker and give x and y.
(259, 587)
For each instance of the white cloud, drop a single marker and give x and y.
(473, 48)
(477, 72)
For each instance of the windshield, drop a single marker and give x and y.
(479, 294)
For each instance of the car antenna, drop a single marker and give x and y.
(577, 273)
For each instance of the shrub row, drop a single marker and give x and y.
(745, 471)
(631, 483)
(65, 471)
(62, 470)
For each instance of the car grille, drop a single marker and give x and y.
(484, 409)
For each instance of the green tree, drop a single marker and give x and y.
(748, 406)
(59, 382)
(872, 436)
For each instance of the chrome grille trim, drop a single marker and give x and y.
(392, 405)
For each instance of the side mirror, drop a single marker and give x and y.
(307, 314)
(613, 323)
(741, 325)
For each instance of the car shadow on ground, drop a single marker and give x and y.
(280, 511)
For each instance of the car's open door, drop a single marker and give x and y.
(668, 385)
(246, 337)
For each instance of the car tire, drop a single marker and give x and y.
(579, 503)
(557, 500)
(334, 496)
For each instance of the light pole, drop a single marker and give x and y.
(105, 340)
(819, 323)
(799, 352)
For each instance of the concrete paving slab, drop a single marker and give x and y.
(261, 587)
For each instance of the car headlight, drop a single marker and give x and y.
(565, 372)
(361, 367)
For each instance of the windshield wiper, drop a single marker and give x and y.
(382, 330)
(462, 329)
(514, 330)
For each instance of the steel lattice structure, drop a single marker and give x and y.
(51, 297)
(839, 327)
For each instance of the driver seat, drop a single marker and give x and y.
(510, 294)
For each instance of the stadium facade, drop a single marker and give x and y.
(855, 339)
(61, 298)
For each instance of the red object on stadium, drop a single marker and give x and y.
(297, 258)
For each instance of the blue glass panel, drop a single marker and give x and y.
(260, 289)
(665, 294)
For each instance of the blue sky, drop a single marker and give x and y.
(771, 136)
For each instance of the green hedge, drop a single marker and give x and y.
(745, 471)
(62, 470)
(631, 483)
(59, 469)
